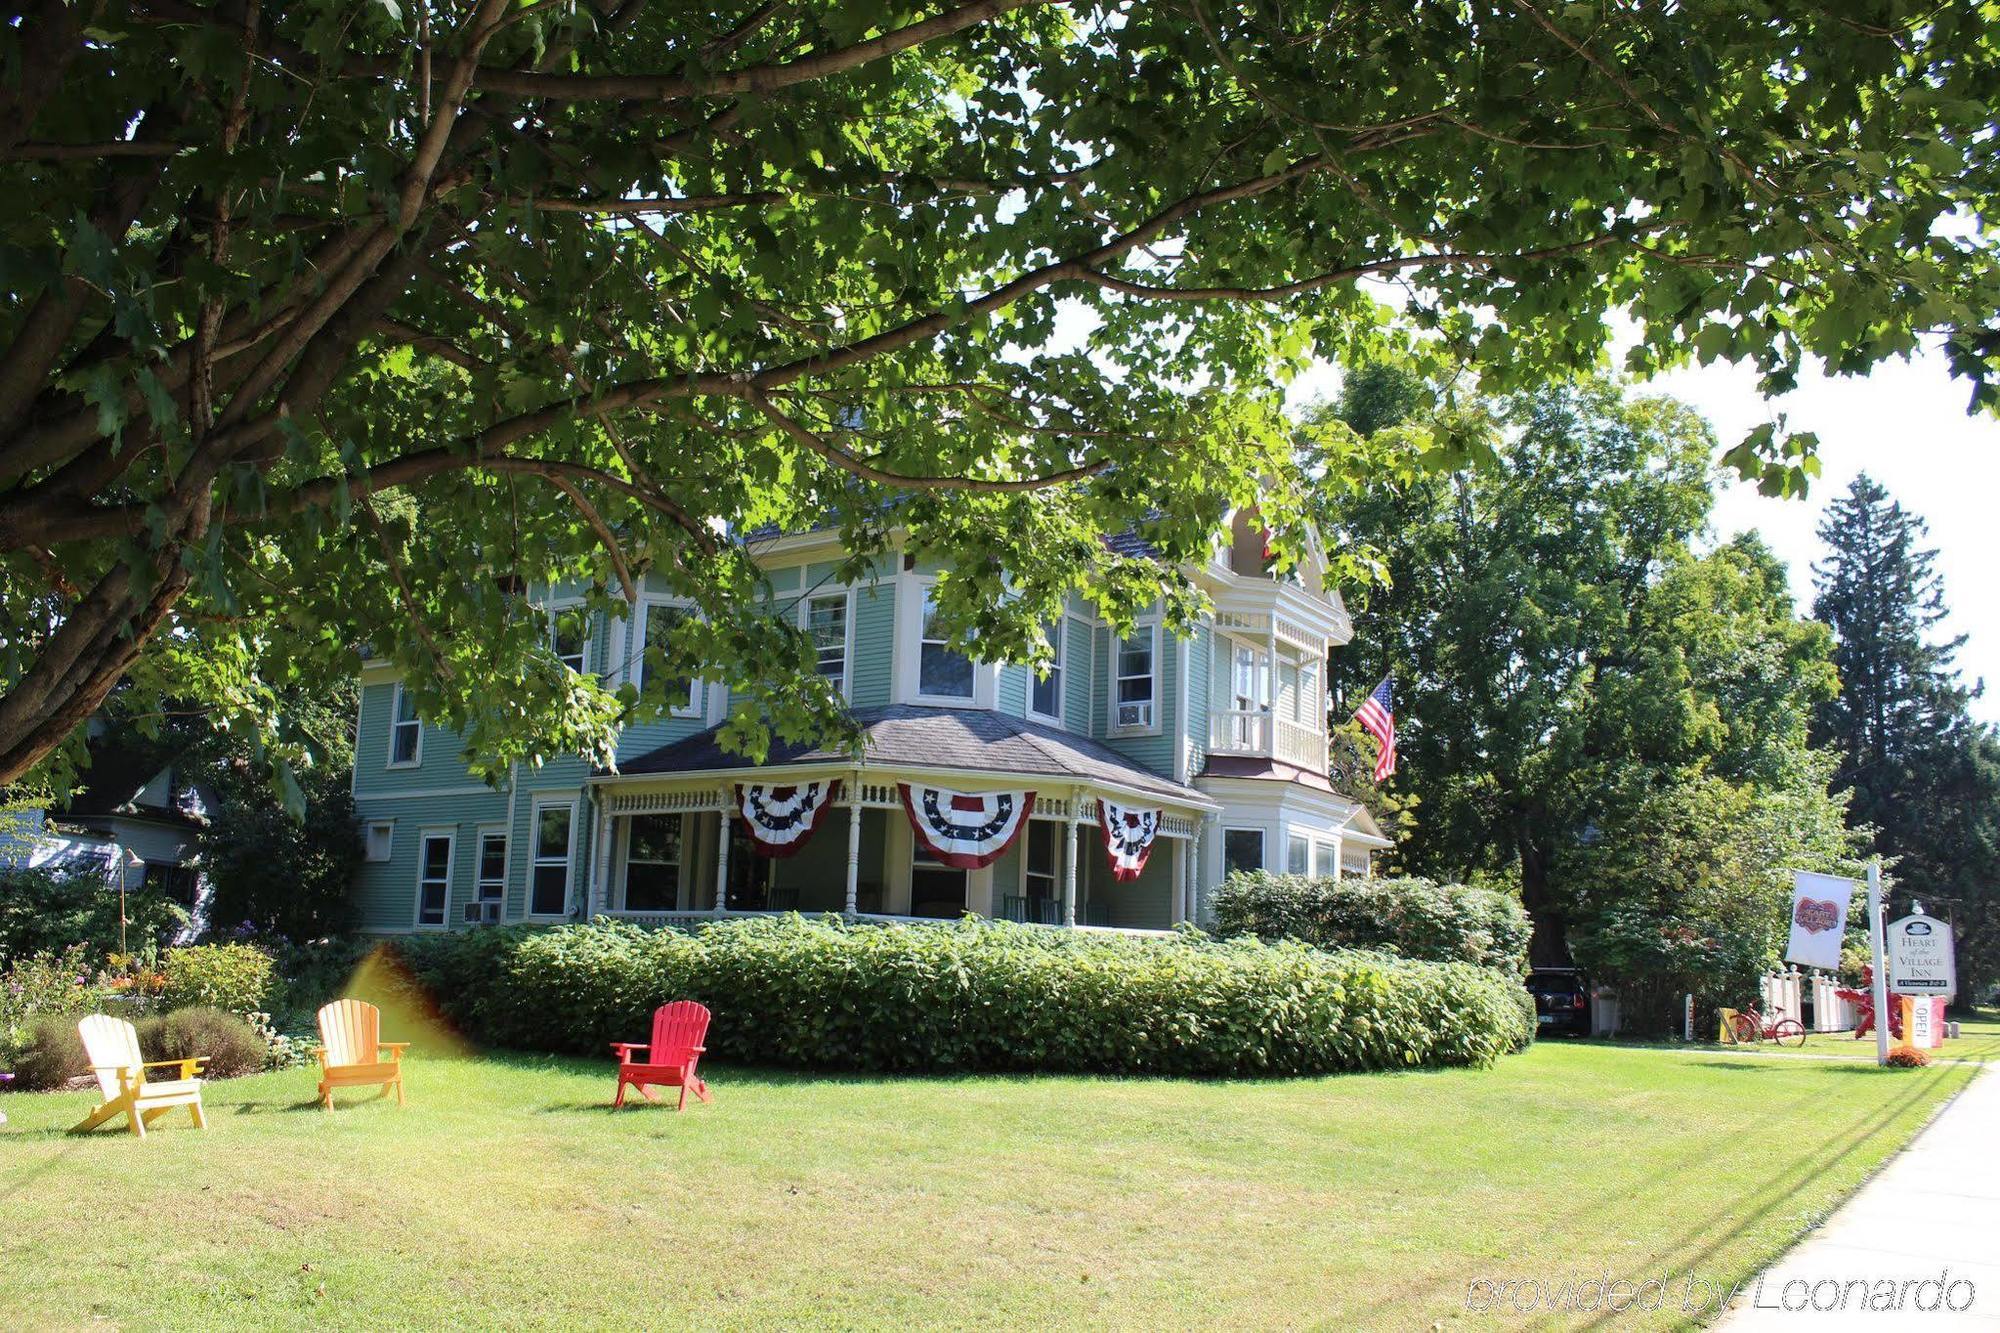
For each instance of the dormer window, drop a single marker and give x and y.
(943, 672)
(1135, 686)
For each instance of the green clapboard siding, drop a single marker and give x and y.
(874, 643)
(386, 891)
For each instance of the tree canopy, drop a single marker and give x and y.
(335, 324)
(1574, 675)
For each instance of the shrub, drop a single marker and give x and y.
(51, 1055)
(232, 1046)
(1907, 1057)
(235, 977)
(52, 908)
(1417, 918)
(311, 973)
(44, 985)
(975, 995)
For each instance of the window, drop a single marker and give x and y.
(406, 733)
(936, 889)
(1133, 688)
(683, 698)
(942, 671)
(1308, 710)
(1045, 697)
(433, 878)
(1038, 860)
(826, 624)
(490, 884)
(750, 874)
(569, 637)
(548, 884)
(652, 863)
(1297, 855)
(1326, 859)
(1242, 849)
(377, 840)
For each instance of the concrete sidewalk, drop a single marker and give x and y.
(1928, 1223)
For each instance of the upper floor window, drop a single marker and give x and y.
(1135, 684)
(406, 731)
(656, 639)
(1046, 695)
(569, 637)
(826, 624)
(943, 672)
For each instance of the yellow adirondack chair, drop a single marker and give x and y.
(351, 1047)
(113, 1047)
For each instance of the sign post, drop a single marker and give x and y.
(1881, 983)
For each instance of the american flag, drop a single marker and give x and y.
(1377, 717)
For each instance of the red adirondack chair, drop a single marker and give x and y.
(678, 1032)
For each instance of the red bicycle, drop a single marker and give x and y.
(1750, 1026)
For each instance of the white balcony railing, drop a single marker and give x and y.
(1257, 733)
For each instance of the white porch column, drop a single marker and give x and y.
(600, 864)
(1069, 867)
(1271, 694)
(853, 844)
(722, 859)
(1177, 901)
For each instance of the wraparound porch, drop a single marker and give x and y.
(671, 851)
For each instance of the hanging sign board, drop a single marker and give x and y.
(1920, 957)
(1819, 919)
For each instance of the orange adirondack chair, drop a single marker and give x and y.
(679, 1029)
(113, 1047)
(351, 1047)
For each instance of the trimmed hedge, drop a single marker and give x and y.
(972, 995)
(1417, 918)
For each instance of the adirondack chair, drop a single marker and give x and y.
(113, 1047)
(678, 1032)
(351, 1049)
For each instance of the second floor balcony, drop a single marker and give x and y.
(1259, 733)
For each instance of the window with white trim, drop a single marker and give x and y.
(1135, 681)
(652, 863)
(1326, 859)
(433, 877)
(377, 840)
(1298, 854)
(1309, 710)
(1045, 694)
(825, 619)
(1242, 849)
(406, 731)
(554, 839)
(943, 672)
(569, 637)
(489, 886)
(1039, 859)
(683, 692)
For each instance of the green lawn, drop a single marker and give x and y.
(508, 1194)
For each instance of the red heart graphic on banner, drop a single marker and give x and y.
(1816, 914)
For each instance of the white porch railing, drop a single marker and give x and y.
(1259, 733)
(686, 920)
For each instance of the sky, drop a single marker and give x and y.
(1906, 426)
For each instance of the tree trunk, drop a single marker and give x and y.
(1548, 942)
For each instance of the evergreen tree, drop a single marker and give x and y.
(1924, 774)
(1900, 698)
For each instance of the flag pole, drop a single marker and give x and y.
(1881, 995)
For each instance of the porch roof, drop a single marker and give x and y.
(917, 737)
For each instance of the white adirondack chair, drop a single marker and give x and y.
(113, 1047)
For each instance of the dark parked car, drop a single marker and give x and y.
(1562, 1001)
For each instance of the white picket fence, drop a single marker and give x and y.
(1782, 995)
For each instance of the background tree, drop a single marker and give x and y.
(1564, 657)
(329, 323)
(1925, 775)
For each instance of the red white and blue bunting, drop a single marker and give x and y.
(782, 819)
(1128, 836)
(966, 829)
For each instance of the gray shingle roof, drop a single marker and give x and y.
(919, 737)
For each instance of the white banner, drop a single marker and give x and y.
(1819, 919)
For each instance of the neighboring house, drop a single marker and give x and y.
(135, 815)
(1223, 733)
